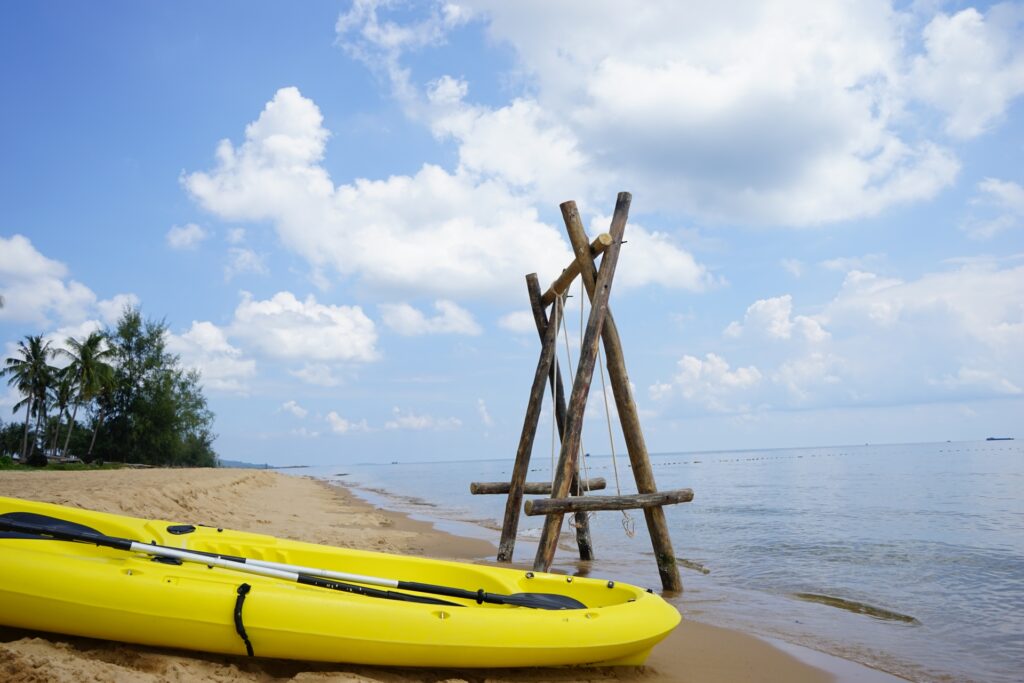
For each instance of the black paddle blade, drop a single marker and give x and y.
(42, 522)
(542, 601)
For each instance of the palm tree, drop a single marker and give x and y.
(62, 395)
(89, 369)
(31, 375)
(104, 398)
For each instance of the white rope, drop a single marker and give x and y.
(583, 451)
(554, 399)
(628, 524)
(581, 456)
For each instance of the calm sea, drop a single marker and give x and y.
(908, 558)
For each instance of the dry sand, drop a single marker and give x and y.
(307, 509)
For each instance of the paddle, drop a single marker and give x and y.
(62, 530)
(67, 531)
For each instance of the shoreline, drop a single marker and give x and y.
(306, 508)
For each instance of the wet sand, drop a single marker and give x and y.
(307, 509)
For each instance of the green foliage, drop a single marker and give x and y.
(139, 404)
(156, 411)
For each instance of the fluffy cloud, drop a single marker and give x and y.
(242, 260)
(710, 382)
(772, 318)
(37, 289)
(205, 347)
(341, 425)
(723, 111)
(411, 421)
(520, 322)
(293, 408)
(285, 327)
(654, 258)
(409, 321)
(187, 236)
(111, 309)
(973, 66)
(435, 231)
(947, 335)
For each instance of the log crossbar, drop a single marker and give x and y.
(547, 506)
(562, 282)
(532, 488)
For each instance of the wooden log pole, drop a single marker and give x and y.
(657, 526)
(547, 506)
(530, 488)
(510, 524)
(562, 282)
(582, 521)
(581, 384)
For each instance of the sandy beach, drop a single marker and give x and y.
(307, 509)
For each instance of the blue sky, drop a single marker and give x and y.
(333, 206)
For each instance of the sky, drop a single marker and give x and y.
(333, 206)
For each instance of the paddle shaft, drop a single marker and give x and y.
(548, 600)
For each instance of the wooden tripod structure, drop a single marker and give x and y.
(569, 416)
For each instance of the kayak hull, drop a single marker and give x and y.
(79, 589)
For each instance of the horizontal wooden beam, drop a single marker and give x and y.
(534, 488)
(548, 506)
(562, 282)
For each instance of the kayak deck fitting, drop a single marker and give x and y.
(54, 577)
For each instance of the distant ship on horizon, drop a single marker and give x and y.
(999, 438)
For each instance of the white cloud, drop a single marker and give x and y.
(412, 421)
(293, 408)
(235, 236)
(110, 310)
(205, 347)
(725, 111)
(653, 258)
(187, 236)
(659, 391)
(485, 415)
(318, 374)
(409, 321)
(973, 66)
(710, 382)
(285, 327)
(978, 301)
(520, 143)
(1004, 202)
(980, 379)
(772, 318)
(520, 322)
(37, 289)
(58, 339)
(435, 231)
(242, 260)
(802, 374)
(944, 336)
(341, 425)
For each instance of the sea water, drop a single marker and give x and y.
(908, 558)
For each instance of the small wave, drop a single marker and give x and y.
(857, 607)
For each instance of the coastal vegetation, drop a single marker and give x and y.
(116, 395)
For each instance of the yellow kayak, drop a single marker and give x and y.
(180, 585)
